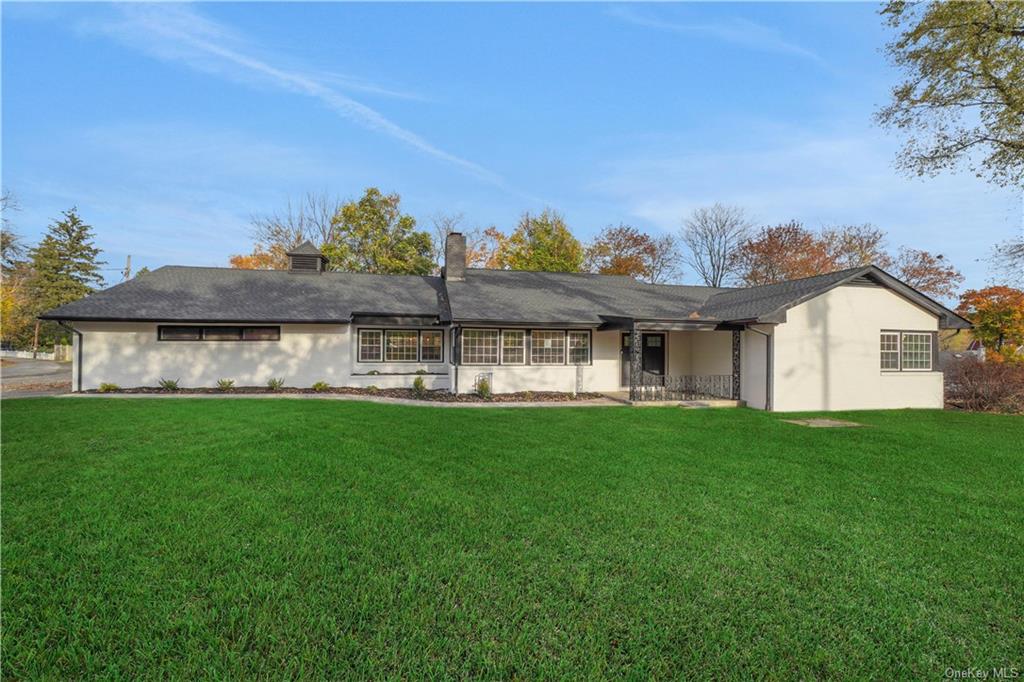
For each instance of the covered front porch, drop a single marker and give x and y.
(680, 362)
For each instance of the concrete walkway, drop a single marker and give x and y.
(595, 402)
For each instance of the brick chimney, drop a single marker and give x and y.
(455, 257)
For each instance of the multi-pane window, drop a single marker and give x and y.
(908, 351)
(579, 348)
(400, 345)
(370, 345)
(513, 347)
(480, 347)
(193, 333)
(917, 351)
(547, 348)
(430, 346)
(890, 350)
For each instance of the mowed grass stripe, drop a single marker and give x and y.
(209, 538)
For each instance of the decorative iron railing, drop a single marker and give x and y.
(687, 387)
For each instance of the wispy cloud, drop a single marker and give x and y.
(178, 33)
(736, 31)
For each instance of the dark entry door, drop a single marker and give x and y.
(653, 355)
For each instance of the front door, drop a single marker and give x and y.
(653, 355)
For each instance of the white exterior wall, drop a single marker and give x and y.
(129, 355)
(754, 365)
(826, 354)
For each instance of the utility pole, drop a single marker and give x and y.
(127, 274)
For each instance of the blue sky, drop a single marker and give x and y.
(169, 125)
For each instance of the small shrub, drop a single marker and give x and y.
(985, 386)
(169, 384)
(419, 388)
(275, 384)
(321, 386)
(483, 388)
(373, 372)
(372, 389)
(528, 396)
(421, 371)
(225, 384)
(109, 388)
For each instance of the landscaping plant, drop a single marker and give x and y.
(225, 384)
(169, 384)
(275, 384)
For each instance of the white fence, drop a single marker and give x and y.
(61, 353)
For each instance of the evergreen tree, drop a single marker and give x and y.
(64, 269)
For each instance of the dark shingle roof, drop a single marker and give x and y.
(306, 248)
(567, 298)
(175, 293)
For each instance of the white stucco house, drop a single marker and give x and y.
(854, 339)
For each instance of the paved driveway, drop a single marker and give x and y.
(21, 378)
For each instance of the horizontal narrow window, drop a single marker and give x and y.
(261, 333)
(180, 333)
(579, 348)
(513, 347)
(400, 346)
(231, 333)
(547, 348)
(222, 333)
(370, 346)
(480, 347)
(430, 346)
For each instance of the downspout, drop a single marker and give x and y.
(78, 361)
(767, 367)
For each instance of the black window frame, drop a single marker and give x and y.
(383, 331)
(201, 329)
(416, 346)
(527, 347)
(440, 346)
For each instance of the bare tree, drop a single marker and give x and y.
(712, 235)
(663, 261)
(444, 224)
(308, 218)
(11, 247)
(851, 246)
(1007, 260)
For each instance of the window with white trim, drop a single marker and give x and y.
(547, 347)
(513, 347)
(916, 351)
(430, 345)
(890, 351)
(902, 351)
(480, 346)
(579, 348)
(370, 346)
(400, 345)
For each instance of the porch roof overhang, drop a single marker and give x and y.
(612, 322)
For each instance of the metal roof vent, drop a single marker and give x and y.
(306, 258)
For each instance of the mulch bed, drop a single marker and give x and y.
(440, 396)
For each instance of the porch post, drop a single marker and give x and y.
(735, 365)
(636, 366)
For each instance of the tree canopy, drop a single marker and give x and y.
(998, 317)
(962, 99)
(541, 242)
(373, 235)
(625, 250)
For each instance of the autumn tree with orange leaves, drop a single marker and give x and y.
(997, 314)
(625, 250)
(929, 273)
(781, 252)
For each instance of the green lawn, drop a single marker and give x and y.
(214, 538)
